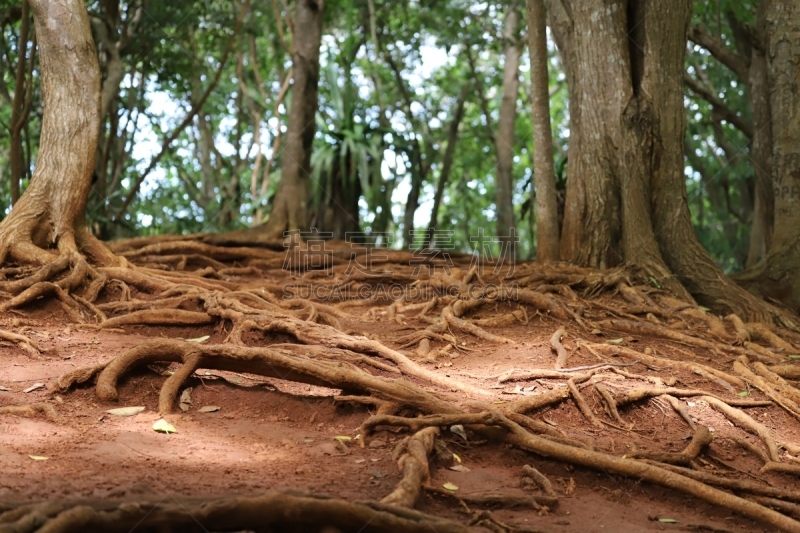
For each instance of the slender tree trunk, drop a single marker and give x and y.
(544, 175)
(290, 210)
(447, 160)
(504, 140)
(17, 158)
(418, 172)
(51, 213)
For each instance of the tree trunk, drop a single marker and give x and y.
(591, 229)
(544, 175)
(758, 89)
(290, 210)
(447, 161)
(418, 173)
(504, 140)
(18, 104)
(626, 191)
(777, 275)
(51, 212)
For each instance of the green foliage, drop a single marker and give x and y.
(370, 128)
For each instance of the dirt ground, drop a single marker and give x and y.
(273, 434)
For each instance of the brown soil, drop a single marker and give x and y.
(273, 434)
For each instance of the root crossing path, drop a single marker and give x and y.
(224, 387)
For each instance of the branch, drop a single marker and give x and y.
(189, 117)
(722, 53)
(481, 94)
(719, 107)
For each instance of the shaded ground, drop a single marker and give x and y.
(273, 434)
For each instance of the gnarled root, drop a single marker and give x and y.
(276, 510)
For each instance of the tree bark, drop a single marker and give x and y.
(50, 214)
(290, 210)
(447, 161)
(777, 275)
(584, 32)
(18, 104)
(544, 175)
(626, 191)
(504, 140)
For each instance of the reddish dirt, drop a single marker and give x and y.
(270, 434)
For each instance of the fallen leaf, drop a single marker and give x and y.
(596, 332)
(186, 396)
(743, 393)
(126, 411)
(450, 486)
(162, 426)
(4, 389)
(615, 341)
(204, 338)
(38, 457)
(794, 356)
(359, 461)
(458, 468)
(456, 458)
(343, 438)
(570, 487)
(35, 386)
(208, 409)
(458, 429)
(667, 520)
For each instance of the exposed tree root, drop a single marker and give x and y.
(321, 353)
(24, 342)
(30, 410)
(597, 460)
(413, 464)
(283, 511)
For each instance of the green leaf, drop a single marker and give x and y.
(794, 356)
(450, 486)
(655, 282)
(667, 520)
(743, 393)
(162, 426)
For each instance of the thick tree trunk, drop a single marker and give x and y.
(504, 140)
(544, 175)
(290, 210)
(591, 37)
(51, 212)
(626, 192)
(761, 146)
(778, 275)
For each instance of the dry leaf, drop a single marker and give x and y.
(450, 486)
(35, 386)
(204, 338)
(162, 426)
(38, 457)
(459, 468)
(209, 409)
(126, 411)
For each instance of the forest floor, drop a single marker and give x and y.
(261, 433)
